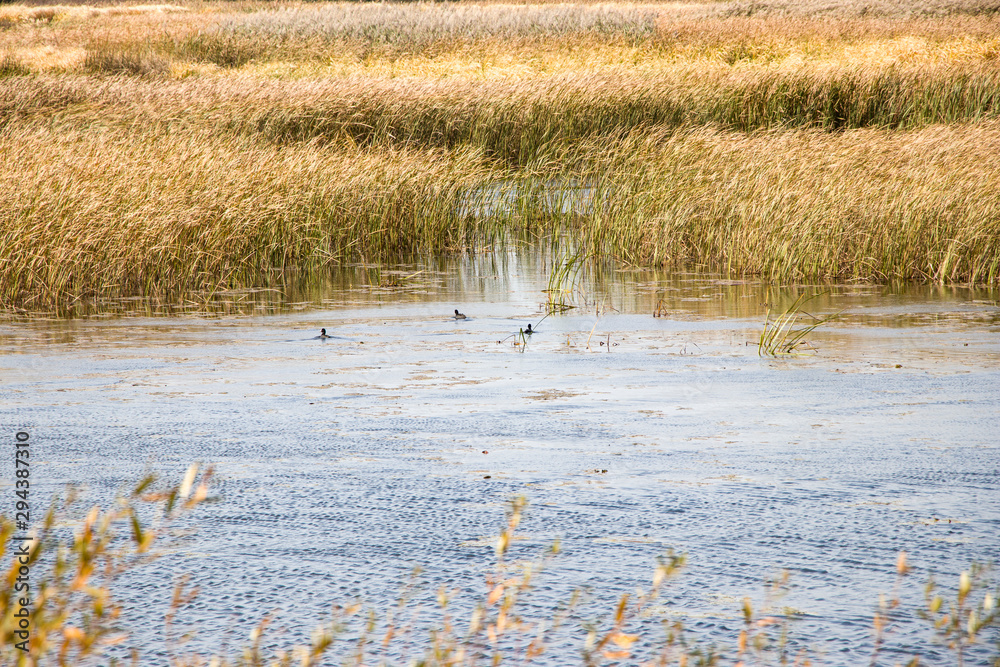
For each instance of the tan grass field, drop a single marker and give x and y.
(161, 148)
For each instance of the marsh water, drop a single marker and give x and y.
(345, 463)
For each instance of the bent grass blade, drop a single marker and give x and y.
(780, 337)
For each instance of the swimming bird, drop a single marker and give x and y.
(322, 334)
(528, 330)
(458, 315)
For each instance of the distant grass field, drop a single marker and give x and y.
(152, 149)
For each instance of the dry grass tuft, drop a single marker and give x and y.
(126, 59)
(118, 212)
(859, 205)
(50, 13)
(11, 65)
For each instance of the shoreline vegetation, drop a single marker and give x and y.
(150, 150)
(76, 617)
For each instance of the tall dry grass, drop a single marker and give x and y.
(371, 35)
(858, 205)
(409, 25)
(158, 150)
(92, 214)
(119, 212)
(514, 122)
(645, 37)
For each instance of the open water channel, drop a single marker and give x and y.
(343, 464)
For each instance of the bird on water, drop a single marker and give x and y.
(322, 334)
(458, 315)
(528, 330)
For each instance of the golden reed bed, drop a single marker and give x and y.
(161, 148)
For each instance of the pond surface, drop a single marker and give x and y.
(345, 463)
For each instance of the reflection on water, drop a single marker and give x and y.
(347, 462)
(515, 275)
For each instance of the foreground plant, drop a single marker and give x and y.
(75, 613)
(781, 337)
(964, 621)
(74, 610)
(563, 282)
